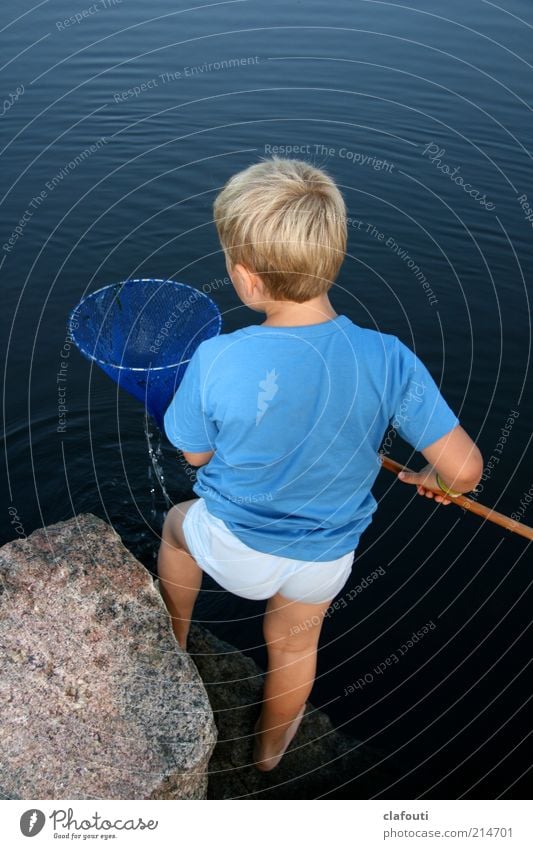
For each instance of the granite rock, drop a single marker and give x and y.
(98, 700)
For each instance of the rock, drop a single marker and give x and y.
(98, 700)
(320, 761)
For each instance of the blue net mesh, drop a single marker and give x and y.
(143, 333)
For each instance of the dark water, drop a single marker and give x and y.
(174, 99)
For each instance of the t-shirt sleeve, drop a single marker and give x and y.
(419, 412)
(186, 420)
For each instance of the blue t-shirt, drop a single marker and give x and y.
(295, 416)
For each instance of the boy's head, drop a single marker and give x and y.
(285, 221)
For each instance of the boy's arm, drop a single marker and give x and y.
(187, 423)
(457, 460)
(424, 419)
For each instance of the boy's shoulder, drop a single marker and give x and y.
(376, 337)
(373, 342)
(215, 344)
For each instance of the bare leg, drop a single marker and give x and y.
(291, 630)
(180, 577)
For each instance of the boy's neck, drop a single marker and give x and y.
(291, 314)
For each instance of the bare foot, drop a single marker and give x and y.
(266, 759)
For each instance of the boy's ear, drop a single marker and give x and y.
(245, 278)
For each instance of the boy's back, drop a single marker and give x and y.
(295, 416)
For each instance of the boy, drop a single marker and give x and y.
(285, 420)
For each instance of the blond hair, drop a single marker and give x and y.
(284, 220)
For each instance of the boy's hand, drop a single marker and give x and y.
(425, 478)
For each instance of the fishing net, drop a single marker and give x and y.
(143, 333)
